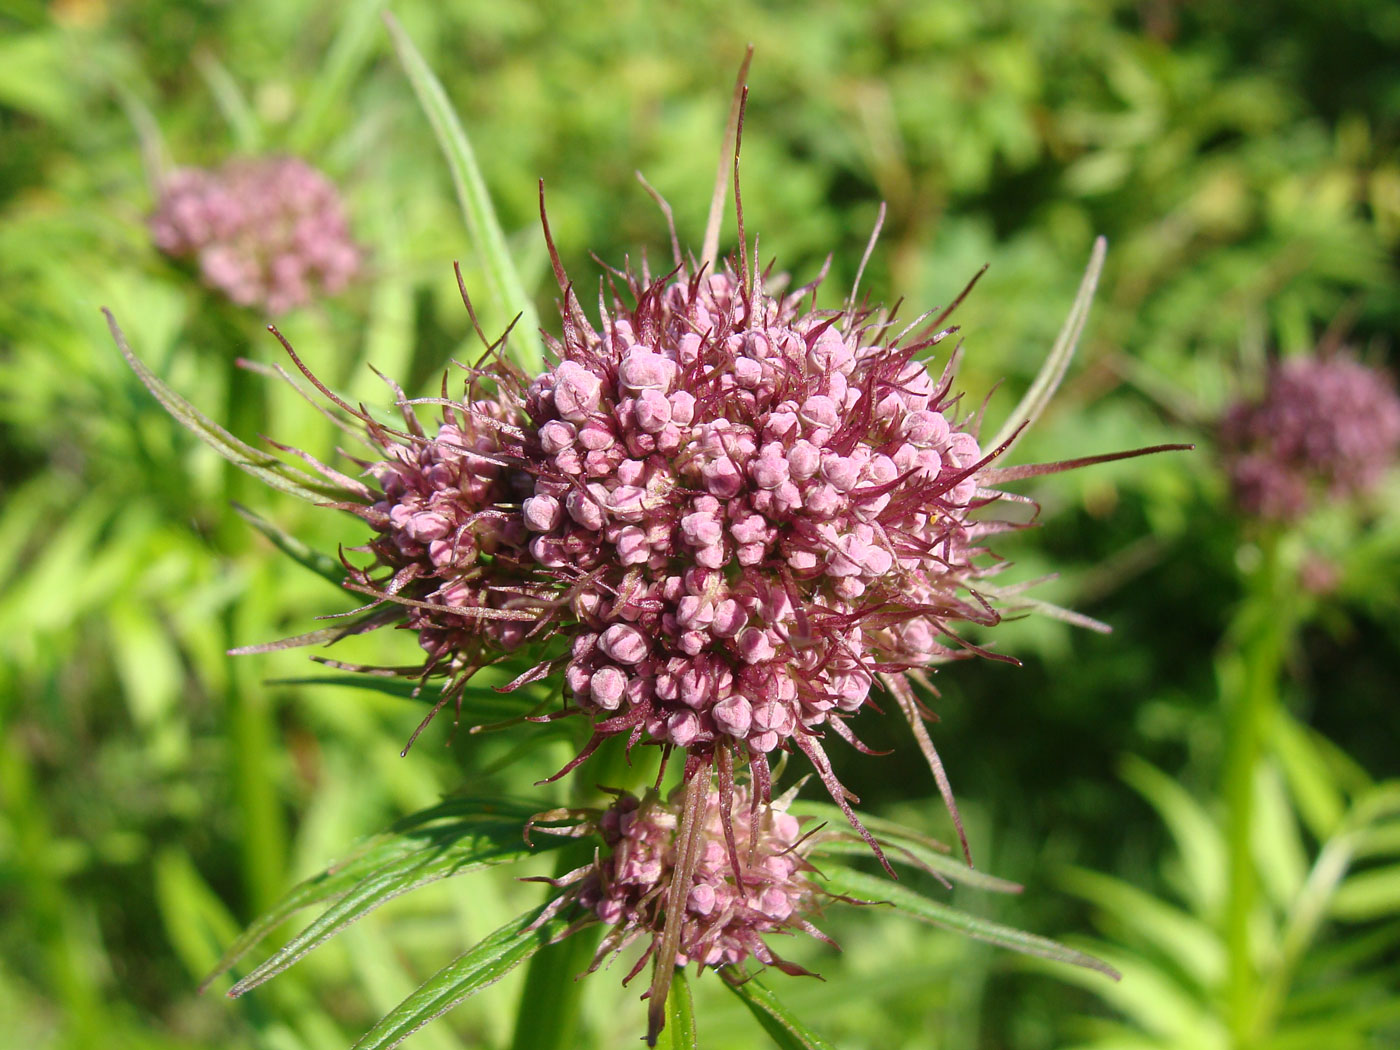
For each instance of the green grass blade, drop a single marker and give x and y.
(508, 293)
(353, 43)
(787, 1030)
(469, 973)
(453, 837)
(863, 887)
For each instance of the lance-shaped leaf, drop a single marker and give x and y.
(454, 837)
(480, 705)
(1052, 372)
(469, 973)
(679, 1033)
(506, 288)
(321, 564)
(261, 465)
(859, 886)
(902, 845)
(787, 1029)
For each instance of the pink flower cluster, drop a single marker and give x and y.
(448, 537)
(760, 509)
(269, 232)
(736, 899)
(1325, 424)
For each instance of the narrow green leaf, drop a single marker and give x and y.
(348, 51)
(1197, 838)
(860, 886)
(321, 564)
(787, 1030)
(228, 96)
(1190, 943)
(902, 846)
(1052, 372)
(506, 289)
(679, 1033)
(262, 466)
(453, 837)
(1369, 894)
(469, 973)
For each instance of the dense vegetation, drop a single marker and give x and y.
(1244, 165)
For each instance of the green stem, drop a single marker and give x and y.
(548, 1015)
(247, 706)
(1264, 627)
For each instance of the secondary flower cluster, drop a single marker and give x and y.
(736, 898)
(1325, 425)
(266, 232)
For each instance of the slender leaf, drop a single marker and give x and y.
(353, 44)
(228, 96)
(469, 973)
(262, 466)
(1369, 894)
(1197, 838)
(507, 291)
(679, 1033)
(860, 886)
(453, 837)
(787, 1030)
(1189, 942)
(903, 846)
(321, 564)
(1052, 372)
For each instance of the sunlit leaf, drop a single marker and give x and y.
(788, 1030)
(469, 973)
(454, 837)
(862, 887)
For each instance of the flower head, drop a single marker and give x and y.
(1324, 425)
(449, 559)
(268, 232)
(709, 887)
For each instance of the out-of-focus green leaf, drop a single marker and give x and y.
(352, 46)
(454, 837)
(507, 291)
(1371, 894)
(787, 1029)
(1192, 946)
(1320, 801)
(1197, 839)
(469, 973)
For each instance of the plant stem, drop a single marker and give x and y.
(1263, 628)
(548, 1014)
(246, 703)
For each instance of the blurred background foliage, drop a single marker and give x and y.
(1243, 162)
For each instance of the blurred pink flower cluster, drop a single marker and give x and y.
(268, 233)
(1324, 426)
